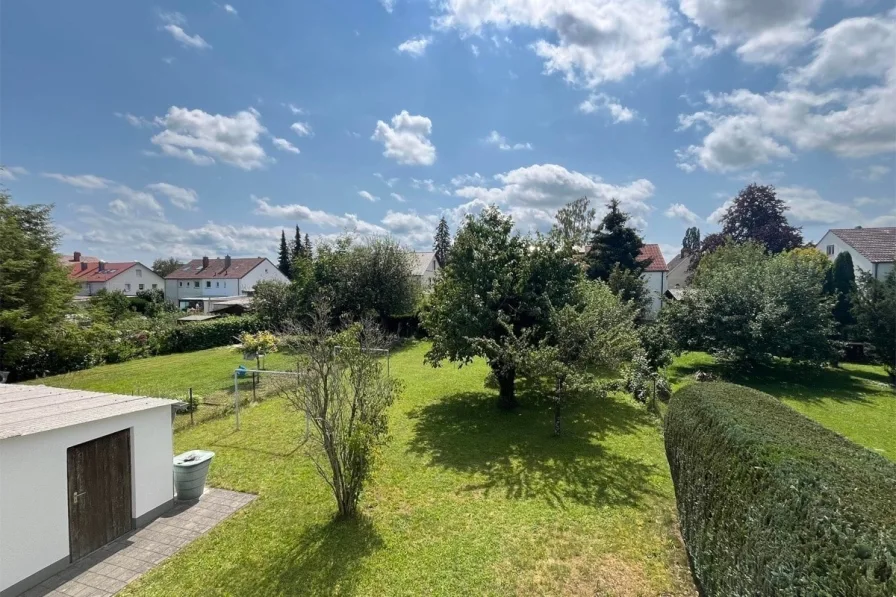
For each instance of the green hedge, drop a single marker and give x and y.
(772, 503)
(209, 334)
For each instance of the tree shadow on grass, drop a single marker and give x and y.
(783, 380)
(327, 558)
(518, 455)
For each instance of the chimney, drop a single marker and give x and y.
(204, 262)
(227, 262)
(76, 256)
(101, 266)
(83, 266)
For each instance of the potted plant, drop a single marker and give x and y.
(256, 346)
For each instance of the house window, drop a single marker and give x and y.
(217, 285)
(127, 287)
(180, 283)
(154, 286)
(265, 270)
(225, 283)
(196, 284)
(829, 249)
(139, 273)
(140, 286)
(208, 284)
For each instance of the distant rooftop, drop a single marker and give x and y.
(877, 245)
(195, 270)
(93, 273)
(658, 262)
(421, 262)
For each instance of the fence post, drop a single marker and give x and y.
(192, 407)
(236, 399)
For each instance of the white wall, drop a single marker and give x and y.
(677, 277)
(263, 271)
(34, 486)
(860, 263)
(129, 281)
(656, 285)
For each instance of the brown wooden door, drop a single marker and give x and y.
(99, 492)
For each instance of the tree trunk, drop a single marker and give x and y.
(557, 418)
(506, 385)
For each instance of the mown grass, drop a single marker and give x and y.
(466, 499)
(853, 400)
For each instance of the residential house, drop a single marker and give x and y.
(128, 277)
(678, 274)
(200, 283)
(873, 250)
(425, 266)
(654, 276)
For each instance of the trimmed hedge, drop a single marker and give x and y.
(209, 334)
(771, 503)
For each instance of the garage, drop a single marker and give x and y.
(77, 470)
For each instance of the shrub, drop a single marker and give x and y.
(772, 503)
(209, 334)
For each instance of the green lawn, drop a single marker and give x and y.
(466, 499)
(853, 400)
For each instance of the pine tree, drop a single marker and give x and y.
(297, 249)
(284, 261)
(307, 247)
(614, 242)
(442, 244)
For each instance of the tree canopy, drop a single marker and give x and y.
(165, 266)
(757, 214)
(874, 309)
(690, 244)
(574, 222)
(614, 242)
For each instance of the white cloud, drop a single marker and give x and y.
(201, 138)
(188, 41)
(407, 140)
(321, 218)
(495, 138)
(389, 5)
(389, 182)
(587, 41)
(873, 172)
(11, 172)
(230, 9)
(762, 30)
(294, 108)
(475, 49)
(178, 196)
(865, 201)
(602, 101)
(397, 197)
(135, 203)
(302, 129)
(735, 142)
(284, 145)
(716, 216)
(860, 47)
(135, 121)
(88, 182)
(413, 229)
(680, 211)
(430, 186)
(416, 46)
(806, 205)
(368, 196)
(468, 179)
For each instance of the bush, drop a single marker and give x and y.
(772, 503)
(209, 334)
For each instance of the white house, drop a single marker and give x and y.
(425, 267)
(872, 249)
(77, 470)
(654, 276)
(195, 284)
(129, 277)
(677, 276)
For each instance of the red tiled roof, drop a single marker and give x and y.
(658, 263)
(877, 245)
(69, 260)
(239, 267)
(94, 274)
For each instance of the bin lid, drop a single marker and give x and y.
(193, 457)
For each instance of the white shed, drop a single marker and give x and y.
(77, 470)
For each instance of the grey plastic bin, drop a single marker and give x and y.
(190, 470)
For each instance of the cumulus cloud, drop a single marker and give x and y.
(430, 186)
(463, 180)
(866, 201)
(587, 41)
(135, 203)
(180, 197)
(293, 108)
(284, 145)
(88, 182)
(716, 216)
(388, 5)
(603, 102)
(174, 26)
(680, 211)
(389, 182)
(872, 172)
(412, 228)
(397, 197)
(499, 141)
(407, 140)
(368, 196)
(302, 129)
(202, 138)
(11, 172)
(230, 9)
(347, 222)
(416, 46)
(860, 47)
(807, 206)
(135, 121)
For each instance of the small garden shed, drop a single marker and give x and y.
(77, 470)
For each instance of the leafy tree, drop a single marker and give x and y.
(747, 306)
(297, 249)
(154, 302)
(282, 305)
(112, 305)
(843, 287)
(594, 333)
(494, 297)
(442, 242)
(874, 308)
(690, 244)
(284, 259)
(35, 292)
(345, 394)
(574, 221)
(373, 276)
(614, 242)
(710, 244)
(630, 287)
(757, 215)
(164, 267)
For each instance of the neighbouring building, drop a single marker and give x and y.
(128, 277)
(202, 282)
(678, 274)
(654, 276)
(75, 259)
(873, 250)
(425, 267)
(77, 470)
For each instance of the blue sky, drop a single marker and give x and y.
(206, 127)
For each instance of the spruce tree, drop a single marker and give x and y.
(307, 247)
(442, 244)
(297, 249)
(843, 285)
(614, 242)
(284, 259)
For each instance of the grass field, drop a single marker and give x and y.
(466, 499)
(853, 400)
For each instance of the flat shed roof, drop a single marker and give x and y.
(25, 410)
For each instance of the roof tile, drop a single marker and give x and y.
(658, 262)
(239, 267)
(878, 245)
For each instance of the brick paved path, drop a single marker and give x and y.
(109, 569)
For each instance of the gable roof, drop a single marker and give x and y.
(93, 273)
(421, 262)
(678, 259)
(239, 267)
(658, 262)
(69, 260)
(877, 245)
